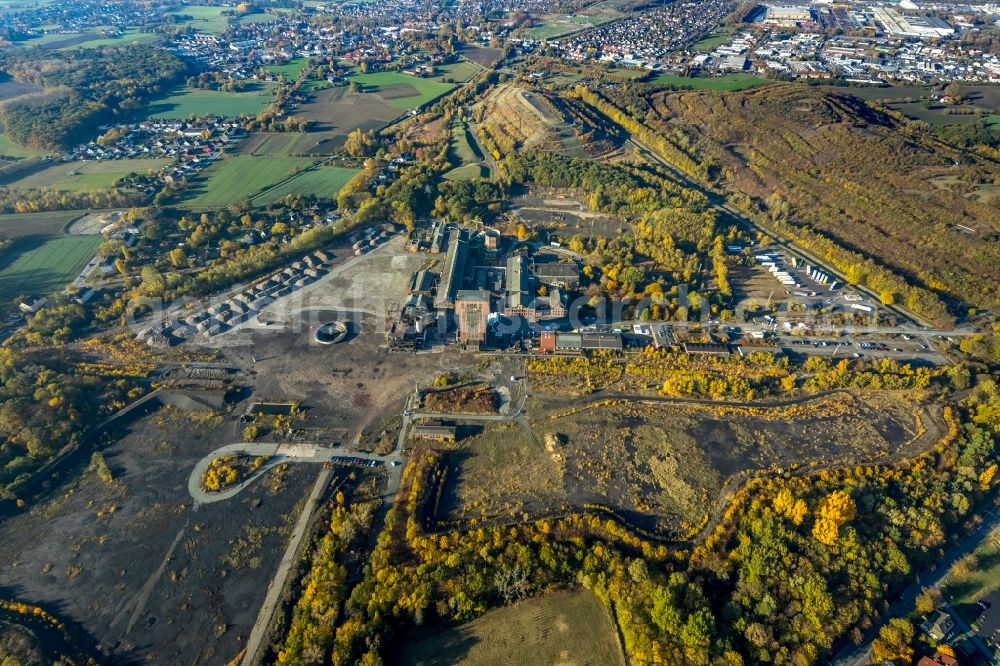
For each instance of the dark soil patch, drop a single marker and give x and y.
(397, 91)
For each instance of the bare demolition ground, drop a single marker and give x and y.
(664, 465)
(148, 575)
(564, 214)
(343, 388)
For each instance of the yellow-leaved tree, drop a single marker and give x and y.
(833, 511)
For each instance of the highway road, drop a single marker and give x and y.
(904, 605)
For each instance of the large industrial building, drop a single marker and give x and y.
(899, 25)
(472, 307)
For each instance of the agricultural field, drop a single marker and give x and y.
(37, 224)
(270, 144)
(727, 82)
(323, 182)
(986, 98)
(457, 72)
(339, 111)
(43, 264)
(233, 178)
(568, 627)
(130, 36)
(290, 144)
(481, 55)
(83, 176)
(557, 26)
(938, 114)
(401, 91)
(184, 102)
(203, 18)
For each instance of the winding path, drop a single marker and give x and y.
(286, 453)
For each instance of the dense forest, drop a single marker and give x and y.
(84, 88)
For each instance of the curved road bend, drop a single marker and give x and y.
(284, 453)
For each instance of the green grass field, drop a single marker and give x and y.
(12, 149)
(984, 579)
(466, 172)
(130, 36)
(710, 42)
(84, 176)
(290, 70)
(204, 19)
(42, 40)
(460, 71)
(259, 17)
(424, 89)
(18, 225)
(462, 148)
(43, 265)
(323, 182)
(566, 627)
(727, 82)
(556, 26)
(234, 178)
(993, 121)
(183, 102)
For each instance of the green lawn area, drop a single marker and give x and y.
(460, 71)
(42, 40)
(993, 121)
(463, 150)
(466, 172)
(13, 149)
(384, 83)
(727, 82)
(323, 182)
(565, 627)
(43, 264)
(258, 17)
(555, 26)
(311, 85)
(279, 144)
(130, 36)
(84, 176)
(290, 70)
(234, 178)
(984, 579)
(711, 42)
(183, 102)
(51, 223)
(204, 19)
